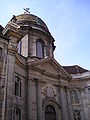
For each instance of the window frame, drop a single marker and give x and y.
(41, 49)
(50, 112)
(17, 86)
(16, 109)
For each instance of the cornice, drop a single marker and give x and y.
(44, 72)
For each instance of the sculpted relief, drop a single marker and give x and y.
(49, 92)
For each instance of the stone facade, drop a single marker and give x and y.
(33, 85)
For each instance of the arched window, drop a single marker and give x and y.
(17, 86)
(17, 114)
(39, 49)
(50, 113)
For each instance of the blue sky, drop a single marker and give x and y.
(67, 20)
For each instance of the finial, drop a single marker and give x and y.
(26, 10)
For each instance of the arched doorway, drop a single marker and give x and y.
(50, 113)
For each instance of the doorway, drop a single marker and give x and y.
(50, 113)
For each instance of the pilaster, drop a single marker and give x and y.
(32, 103)
(64, 110)
(85, 103)
(11, 57)
(39, 100)
(70, 111)
(29, 101)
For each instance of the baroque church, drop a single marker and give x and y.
(33, 85)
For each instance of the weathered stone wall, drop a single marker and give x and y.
(48, 89)
(16, 68)
(3, 74)
(81, 85)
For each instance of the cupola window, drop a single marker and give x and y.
(39, 49)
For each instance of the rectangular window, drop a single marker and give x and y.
(17, 114)
(17, 86)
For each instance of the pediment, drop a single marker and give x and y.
(50, 65)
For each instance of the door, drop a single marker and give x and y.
(50, 113)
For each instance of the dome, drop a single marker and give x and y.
(25, 19)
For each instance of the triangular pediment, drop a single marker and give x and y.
(50, 65)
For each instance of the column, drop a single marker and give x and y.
(70, 111)
(64, 110)
(39, 100)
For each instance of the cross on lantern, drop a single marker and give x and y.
(26, 10)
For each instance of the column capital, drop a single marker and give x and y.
(37, 79)
(63, 86)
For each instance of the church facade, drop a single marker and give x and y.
(33, 85)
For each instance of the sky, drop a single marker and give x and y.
(67, 20)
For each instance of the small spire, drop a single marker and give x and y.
(26, 10)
